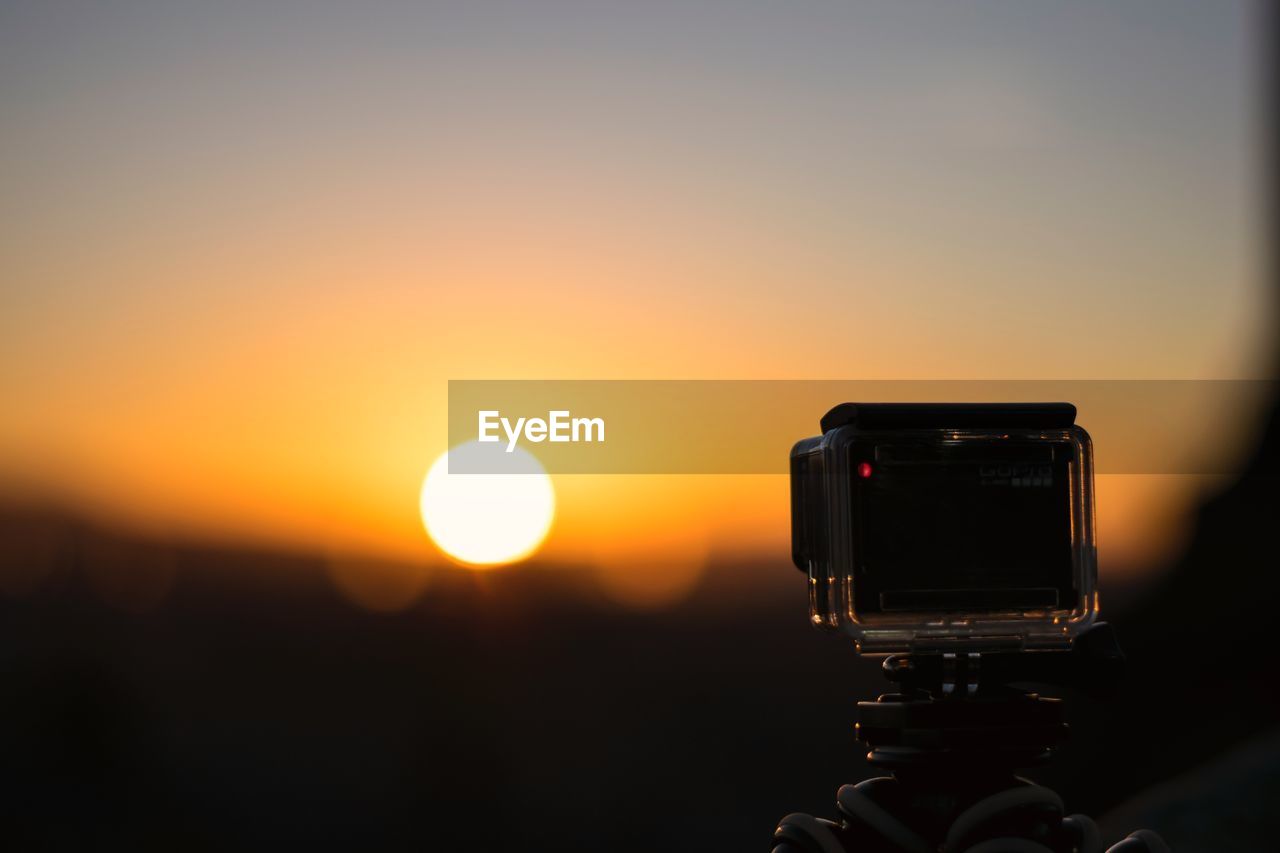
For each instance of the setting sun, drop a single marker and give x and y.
(487, 519)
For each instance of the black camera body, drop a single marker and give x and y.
(936, 527)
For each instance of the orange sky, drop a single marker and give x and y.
(242, 255)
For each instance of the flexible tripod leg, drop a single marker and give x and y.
(954, 787)
(879, 816)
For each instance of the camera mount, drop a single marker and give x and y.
(952, 740)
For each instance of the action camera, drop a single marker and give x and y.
(936, 527)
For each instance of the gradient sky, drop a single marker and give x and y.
(244, 245)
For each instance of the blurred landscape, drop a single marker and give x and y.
(516, 710)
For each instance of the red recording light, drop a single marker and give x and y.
(864, 470)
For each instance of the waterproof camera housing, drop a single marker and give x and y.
(935, 527)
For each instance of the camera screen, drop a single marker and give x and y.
(962, 526)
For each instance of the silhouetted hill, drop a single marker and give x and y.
(256, 706)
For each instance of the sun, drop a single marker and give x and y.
(484, 520)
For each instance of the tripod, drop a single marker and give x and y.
(952, 740)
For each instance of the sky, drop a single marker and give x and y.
(246, 245)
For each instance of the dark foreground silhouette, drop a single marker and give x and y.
(255, 707)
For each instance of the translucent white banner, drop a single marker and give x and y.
(749, 426)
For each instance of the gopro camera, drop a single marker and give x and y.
(935, 527)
